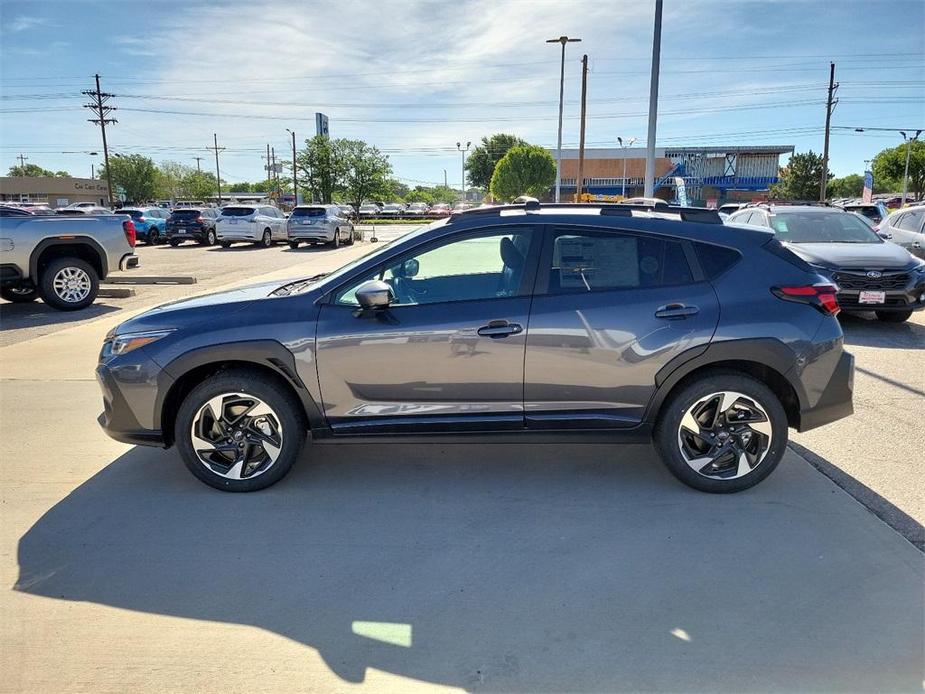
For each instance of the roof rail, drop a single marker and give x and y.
(785, 203)
(702, 215)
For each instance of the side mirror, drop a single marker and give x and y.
(374, 294)
(885, 236)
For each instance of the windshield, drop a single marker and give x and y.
(308, 212)
(822, 227)
(237, 211)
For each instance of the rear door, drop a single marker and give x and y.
(907, 232)
(610, 309)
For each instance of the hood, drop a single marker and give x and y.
(186, 312)
(865, 256)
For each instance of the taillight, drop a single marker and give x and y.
(822, 296)
(129, 230)
(142, 219)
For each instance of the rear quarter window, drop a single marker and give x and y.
(715, 260)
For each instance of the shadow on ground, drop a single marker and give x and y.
(865, 330)
(507, 568)
(37, 313)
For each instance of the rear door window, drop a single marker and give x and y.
(911, 221)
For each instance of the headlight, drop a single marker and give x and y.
(123, 344)
(920, 268)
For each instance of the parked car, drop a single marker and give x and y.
(79, 205)
(62, 259)
(319, 224)
(192, 224)
(548, 323)
(181, 204)
(441, 209)
(392, 210)
(906, 228)
(731, 207)
(875, 211)
(417, 209)
(871, 275)
(14, 210)
(347, 211)
(150, 223)
(86, 209)
(369, 209)
(259, 224)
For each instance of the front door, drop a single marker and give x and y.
(447, 354)
(610, 310)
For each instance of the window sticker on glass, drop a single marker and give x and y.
(587, 262)
(779, 224)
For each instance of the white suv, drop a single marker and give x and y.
(260, 224)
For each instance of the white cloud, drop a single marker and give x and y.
(26, 22)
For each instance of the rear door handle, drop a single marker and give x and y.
(676, 311)
(500, 328)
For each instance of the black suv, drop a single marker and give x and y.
(871, 274)
(541, 323)
(192, 224)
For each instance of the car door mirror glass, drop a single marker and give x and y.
(374, 294)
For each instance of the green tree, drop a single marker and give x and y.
(320, 168)
(524, 170)
(168, 178)
(800, 179)
(34, 171)
(850, 186)
(197, 185)
(366, 171)
(136, 174)
(445, 194)
(890, 164)
(421, 194)
(482, 161)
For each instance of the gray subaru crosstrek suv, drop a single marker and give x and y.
(523, 322)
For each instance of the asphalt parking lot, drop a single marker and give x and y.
(500, 568)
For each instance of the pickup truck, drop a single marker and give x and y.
(62, 259)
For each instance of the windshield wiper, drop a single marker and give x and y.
(298, 285)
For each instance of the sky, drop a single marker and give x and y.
(418, 76)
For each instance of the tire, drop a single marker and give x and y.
(173, 242)
(352, 238)
(283, 423)
(225, 244)
(69, 284)
(335, 242)
(764, 441)
(19, 296)
(154, 238)
(293, 244)
(209, 238)
(894, 316)
(266, 240)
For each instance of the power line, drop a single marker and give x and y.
(101, 110)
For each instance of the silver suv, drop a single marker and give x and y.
(319, 224)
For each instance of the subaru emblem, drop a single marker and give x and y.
(873, 274)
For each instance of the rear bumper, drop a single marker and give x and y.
(193, 232)
(836, 400)
(129, 261)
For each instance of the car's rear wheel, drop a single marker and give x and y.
(267, 239)
(209, 238)
(19, 296)
(68, 284)
(239, 431)
(174, 242)
(293, 244)
(894, 316)
(225, 244)
(722, 432)
(335, 242)
(154, 237)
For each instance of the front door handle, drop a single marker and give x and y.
(500, 328)
(676, 311)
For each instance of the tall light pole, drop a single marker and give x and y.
(624, 147)
(295, 188)
(462, 153)
(563, 40)
(653, 102)
(908, 152)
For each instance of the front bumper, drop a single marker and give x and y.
(903, 291)
(836, 399)
(130, 387)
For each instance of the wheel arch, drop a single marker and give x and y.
(266, 357)
(768, 361)
(84, 248)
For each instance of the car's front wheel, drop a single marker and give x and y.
(240, 431)
(722, 432)
(894, 316)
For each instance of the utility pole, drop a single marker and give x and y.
(653, 102)
(279, 192)
(295, 185)
(909, 141)
(829, 106)
(562, 40)
(624, 147)
(267, 167)
(218, 175)
(198, 168)
(581, 137)
(445, 184)
(462, 153)
(101, 110)
(22, 164)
